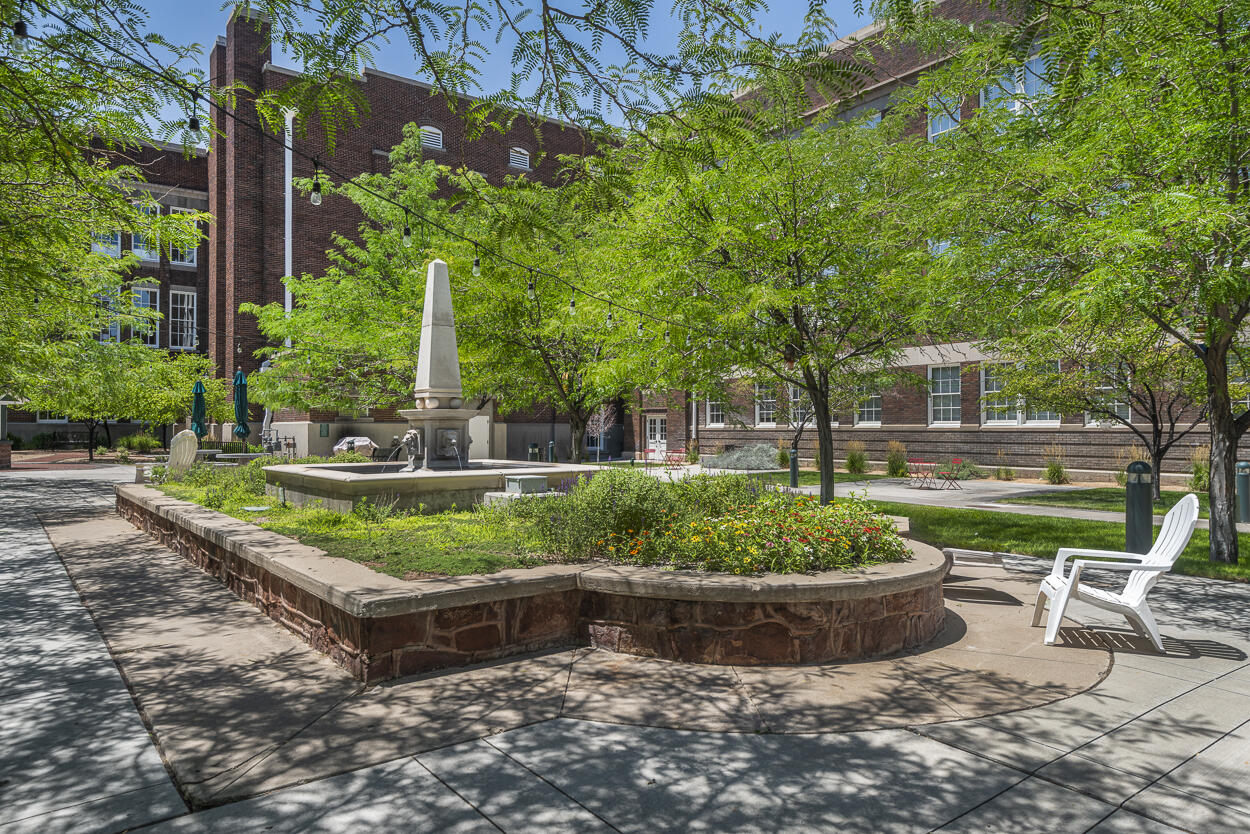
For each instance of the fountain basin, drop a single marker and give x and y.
(341, 486)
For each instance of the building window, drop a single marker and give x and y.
(873, 119)
(1110, 382)
(519, 158)
(107, 243)
(943, 115)
(765, 406)
(800, 410)
(49, 417)
(715, 413)
(868, 413)
(183, 257)
(998, 407)
(937, 247)
(431, 137)
(1033, 78)
(181, 320)
(148, 330)
(1016, 88)
(145, 247)
(944, 394)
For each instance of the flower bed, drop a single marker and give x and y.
(723, 523)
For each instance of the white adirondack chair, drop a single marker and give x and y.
(1144, 571)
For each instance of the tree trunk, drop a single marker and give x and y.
(108, 435)
(577, 431)
(824, 442)
(90, 439)
(1223, 523)
(1156, 468)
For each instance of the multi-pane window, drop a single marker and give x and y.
(937, 247)
(1033, 80)
(800, 410)
(999, 408)
(873, 119)
(146, 247)
(765, 405)
(1109, 380)
(869, 411)
(943, 115)
(715, 413)
(1017, 87)
(944, 394)
(182, 320)
(112, 331)
(107, 243)
(519, 158)
(179, 256)
(49, 417)
(431, 137)
(148, 329)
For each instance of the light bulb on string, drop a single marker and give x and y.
(22, 42)
(477, 263)
(641, 332)
(609, 322)
(315, 197)
(529, 287)
(193, 123)
(572, 304)
(668, 337)
(407, 231)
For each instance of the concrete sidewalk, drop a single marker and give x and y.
(1159, 745)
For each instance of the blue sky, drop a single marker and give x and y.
(201, 21)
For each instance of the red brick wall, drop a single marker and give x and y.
(6, 454)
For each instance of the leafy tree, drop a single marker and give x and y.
(1116, 190)
(1134, 377)
(109, 380)
(790, 261)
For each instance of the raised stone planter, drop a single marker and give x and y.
(380, 627)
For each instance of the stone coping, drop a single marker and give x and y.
(479, 474)
(363, 592)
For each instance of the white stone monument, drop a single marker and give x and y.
(182, 451)
(440, 418)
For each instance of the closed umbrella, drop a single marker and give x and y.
(241, 429)
(199, 411)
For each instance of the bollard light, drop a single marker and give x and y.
(1138, 507)
(1243, 491)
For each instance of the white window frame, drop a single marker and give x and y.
(150, 250)
(113, 250)
(709, 414)
(957, 393)
(153, 338)
(175, 326)
(761, 399)
(879, 409)
(193, 251)
(1015, 84)
(49, 417)
(940, 110)
(432, 138)
(1001, 404)
(515, 153)
(1107, 422)
(797, 410)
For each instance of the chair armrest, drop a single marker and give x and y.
(1083, 563)
(1066, 553)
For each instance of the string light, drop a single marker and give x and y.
(407, 231)
(609, 322)
(529, 286)
(193, 123)
(22, 44)
(667, 336)
(641, 332)
(572, 304)
(315, 197)
(477, 263)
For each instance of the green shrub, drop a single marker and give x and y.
(45, 440)
(783, 455)
(692, 452)
(101, 450)
(965, 470)
(142, 443)
(1123, 457)
(1056, 470)
(376, 512)
(896, 459)
(1002, 471)
(214, 497)
(15, 440)
(1200, 469)
(856, 458)
(122, 456)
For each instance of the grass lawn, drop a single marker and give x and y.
(811, 477)
(1105, 498)
(1042, 536)
(450, 544)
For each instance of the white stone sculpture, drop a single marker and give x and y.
(182, 451)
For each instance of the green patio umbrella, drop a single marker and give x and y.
(241, 429)
(199, 412)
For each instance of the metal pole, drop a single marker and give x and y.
(1139, 525)
(1243, 491)
(551, 451)
(794, 464)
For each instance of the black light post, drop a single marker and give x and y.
(1138, 508)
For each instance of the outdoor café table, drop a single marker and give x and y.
(921, 474)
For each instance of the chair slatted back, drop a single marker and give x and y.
(1174, 534)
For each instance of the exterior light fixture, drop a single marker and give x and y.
(315, 197)
(529, 286)
(572, 304)
(407, 231)
(193, 123)
(668, 337)
(22, 43)
(477, 263)
(609, 322)
(640, 330)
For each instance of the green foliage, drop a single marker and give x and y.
(783, 455)
(375, 512)
(15, 441)
(101, 450)
(1200, 469)
(1003, 471)
(964, 470)
(47, 440)
(1110, 499)
(856, 458)
(143, 443)
(1055, 469)
(692, 452)
(896, 459)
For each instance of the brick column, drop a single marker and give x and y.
(6, 454)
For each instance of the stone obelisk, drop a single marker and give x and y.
(441, 421)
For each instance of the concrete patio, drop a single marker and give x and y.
(137, 689)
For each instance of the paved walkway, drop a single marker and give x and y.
(1160, 745)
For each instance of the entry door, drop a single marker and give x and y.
(657, 434)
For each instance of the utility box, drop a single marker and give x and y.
(525, 484)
